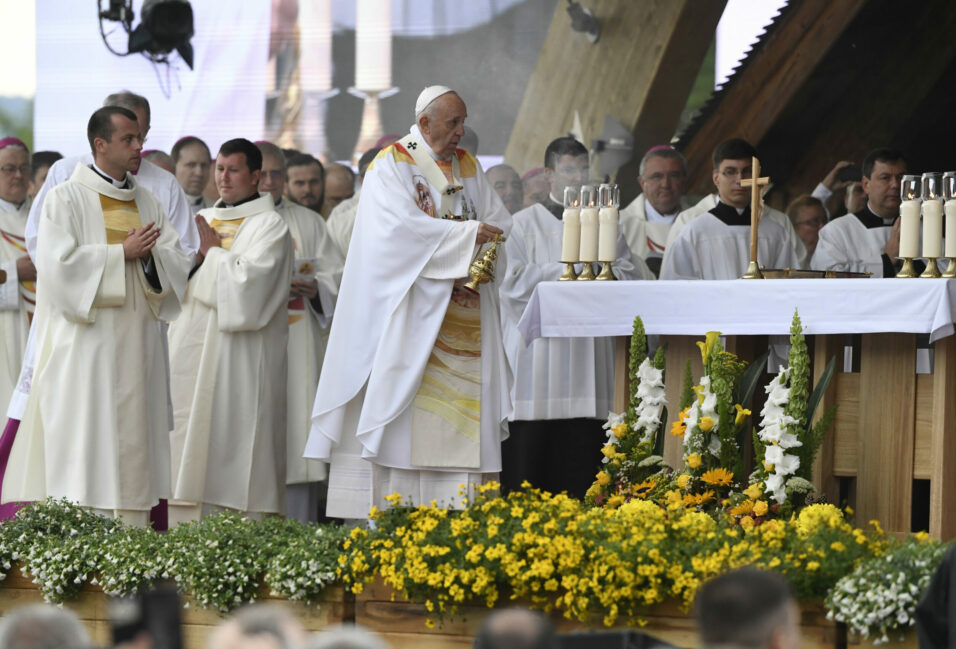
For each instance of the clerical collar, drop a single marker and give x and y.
(194, 201)
(653, 216)
(888, 221)
(119, 184)
(731, 215)
(7, 206)
(421, 138)
(247, 199)
(553, 206)
(871, 220)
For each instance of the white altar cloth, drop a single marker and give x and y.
(741, 307)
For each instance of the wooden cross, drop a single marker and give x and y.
(755, 182)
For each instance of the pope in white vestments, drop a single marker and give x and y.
(414, 394)
(228, 358)
(95, 427)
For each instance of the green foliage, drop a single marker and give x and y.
(636, 356)
(687, 387)
(799, 384)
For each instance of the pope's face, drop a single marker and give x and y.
(272, 178)
(234, 180)
(883, 187)
(15, 173)
(305, 184)
(444, 124)
(727, 177)
(121, 153)
(662, 183)
(193, 168)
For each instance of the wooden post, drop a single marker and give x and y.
(680, 349)
(825, 348)
(942, 490)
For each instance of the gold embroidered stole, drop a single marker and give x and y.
(28, 290)
(226, 230)
(119, 217)
(447, 185)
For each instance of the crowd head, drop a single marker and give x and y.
(15, 170)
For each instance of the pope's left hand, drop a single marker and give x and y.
(307, 288)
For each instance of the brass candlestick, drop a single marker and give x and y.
(753, 271)
(482, 269)
(606, 275)
(950, 272)
(907, 270)
(587, 273)
(568, 273)
(932, 269)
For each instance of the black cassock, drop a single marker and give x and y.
(938, 607)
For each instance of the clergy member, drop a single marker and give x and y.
(193, 166)
(716, 244)
(709, 202)
(305, 182)
(342, 219)
(312, 293)
(563, 387)
(228, 352)
(414, 394)
(507, 184)
(648, 219)
(869, 240)
(95, 427)
(339, 186)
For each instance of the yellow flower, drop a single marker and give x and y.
(753, 491)
(760, 508)
(706, 347)
(719, 477)
(615, 501)
(619, 431)
(706, 423)
(745, 507)
(699, 499)
(593, 491)
(609, 451)
(643, 488)
(682, 481)
(813, 566)
(678, 428)
(603, 478)
(693, 460)
(742, 414)
(746, 522)
(699, 390)
(836, 545)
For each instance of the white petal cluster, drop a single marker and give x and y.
(614, 419)
(650, 392)
(696, 440)
(773, 433)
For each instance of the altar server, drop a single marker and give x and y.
(228, 351)
(716, 244)
(563, 387)
(649, 217)
(731, 194)
(869, 240)
(314, 287)
(95, 428)
(414, 394)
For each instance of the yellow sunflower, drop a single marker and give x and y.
(718, 477)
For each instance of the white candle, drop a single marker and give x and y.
(589, 234)
(373, 45)
(932, 229)
(571, 244)
(909, 229)
(607, 236)
(951, 229)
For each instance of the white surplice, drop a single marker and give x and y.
(228, 365)
(17, 299)
(847, 244)
(708, 202)
(341, 222)
(308, 333)
(399, 274)
(644, 238)
(708, 248)
(554, 378)
(95, 427)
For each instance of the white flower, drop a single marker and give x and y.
(773, 454)
(787, 465)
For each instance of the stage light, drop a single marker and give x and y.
(166, 26)
(583, 20)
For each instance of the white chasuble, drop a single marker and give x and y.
(554, 378)
(95, 430)
(316, 257)
(17, 299)
(392, 350)
(708, 248)
(644, 238)
(852, 243)
(228, 365)
(341, 222)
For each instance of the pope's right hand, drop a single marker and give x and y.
(487, 232)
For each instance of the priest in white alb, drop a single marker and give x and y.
(716, 244)
(563, 387)
(227, 352)
(95, 429)
(414, 394)
(312, 294)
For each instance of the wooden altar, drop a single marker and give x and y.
(893, 426)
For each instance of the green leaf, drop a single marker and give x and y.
(820, 389)
(687, 387)
(661, 431)
(748, 380)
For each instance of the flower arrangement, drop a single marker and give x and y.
(220, 562)
(881, 594)
(632, 455)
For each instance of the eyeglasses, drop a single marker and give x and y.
(732, 172)
(9, 170)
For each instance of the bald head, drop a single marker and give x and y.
(339, 186)
(515, 628)
(507, 184)
(442, 123)
(161, 159)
